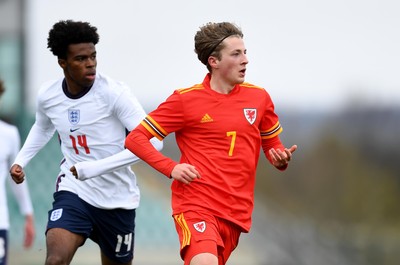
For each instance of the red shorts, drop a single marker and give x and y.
(200, 232)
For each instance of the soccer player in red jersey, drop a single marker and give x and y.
(220, 127)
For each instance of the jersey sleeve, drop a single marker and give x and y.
(128, 109)
(39, 135)
(22, 196)
(270, 130)
(167, 118)
(270, 125)
(90, 169)
(138, 143)
(130, 113)
(20, 191)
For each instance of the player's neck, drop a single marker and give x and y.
(221, 86)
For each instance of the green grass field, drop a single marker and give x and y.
(89, 255)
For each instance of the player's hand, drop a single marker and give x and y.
(29, 231)
(280, 159)
(17, 173)
(74, 172)
(185, 173)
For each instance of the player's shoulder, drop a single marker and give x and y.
(194, 88)
(109, 85)
(49, 89)
(247, 85)
(49, 85)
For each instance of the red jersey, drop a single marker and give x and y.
(219, 134)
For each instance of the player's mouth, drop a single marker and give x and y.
(91, 76)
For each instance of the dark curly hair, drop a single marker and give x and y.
(209, 37)
(66, 32)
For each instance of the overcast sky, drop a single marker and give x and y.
(309, 55)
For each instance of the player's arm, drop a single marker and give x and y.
(274, 150)
(89, 169)
(29, 231)
(138, 143)
(130, 112)
(36, 140)
(22, 196)
(138, 140)
(276, 153)
(39, 135)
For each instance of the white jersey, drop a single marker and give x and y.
(90, 127)
(9, 146)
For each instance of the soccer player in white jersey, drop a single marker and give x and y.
(10, 144)
(91, 114)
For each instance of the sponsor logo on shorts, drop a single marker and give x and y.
(200, 226)
(121, 255)
(56, 214)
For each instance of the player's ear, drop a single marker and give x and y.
(62, 63)
(213, 61)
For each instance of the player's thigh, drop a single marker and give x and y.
(204, 259)
(198, 234)
(230, 234)
(202, 252)
(61, 245)
(114, 232)
(106, 261)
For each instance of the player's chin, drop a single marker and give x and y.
(87, 83)
(240, 80)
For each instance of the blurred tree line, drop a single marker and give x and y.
(344, 177)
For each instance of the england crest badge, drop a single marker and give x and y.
(74, 116)
(56, 214)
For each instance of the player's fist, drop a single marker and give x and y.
(17, 173)
(185, 173)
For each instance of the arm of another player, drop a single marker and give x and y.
(22, 196)
(89, 169)
(130, 113)
(29, 231)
